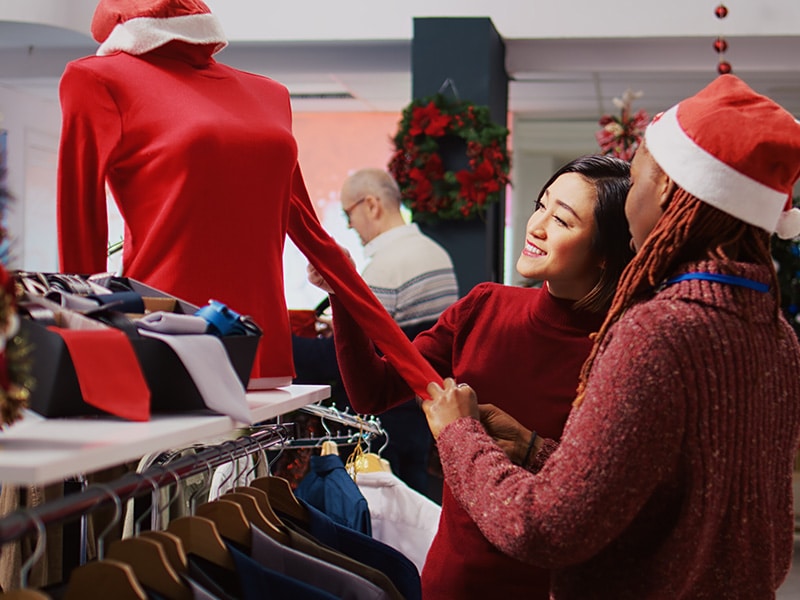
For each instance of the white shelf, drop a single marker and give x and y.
(38, 451)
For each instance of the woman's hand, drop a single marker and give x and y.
(448, 404)
(507, 432)
(315, 278)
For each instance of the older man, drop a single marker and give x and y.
(413, 278)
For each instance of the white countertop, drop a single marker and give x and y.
(37, 451)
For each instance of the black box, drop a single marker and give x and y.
(57, 393)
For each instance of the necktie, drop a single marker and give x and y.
(108, 371)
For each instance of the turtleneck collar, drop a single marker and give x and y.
(196, 55)
(560, 313)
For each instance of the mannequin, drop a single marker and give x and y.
(201, 161)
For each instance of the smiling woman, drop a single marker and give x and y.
(500, 339)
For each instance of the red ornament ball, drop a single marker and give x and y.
(724, 67)
(720, 45)
(721, 11)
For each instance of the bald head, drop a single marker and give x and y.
(371, 201)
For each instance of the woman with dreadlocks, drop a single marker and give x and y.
(673, 477)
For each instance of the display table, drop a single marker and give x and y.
(38, 451)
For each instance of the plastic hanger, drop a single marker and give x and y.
(170, 543)
(366, 462)
(281, 496)
(105, 578)
(200, 536)
(229, 518)
(148, 559)
(329, 447)
(26, 593)
(150, 565)
(251, 503)
(173, 548)
(259, 490)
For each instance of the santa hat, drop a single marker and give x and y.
(734, 149)
(138, 26)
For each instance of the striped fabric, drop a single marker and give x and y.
(410, 274)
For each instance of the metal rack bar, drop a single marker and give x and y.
(24, 521)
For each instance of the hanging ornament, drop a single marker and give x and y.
(720, 45)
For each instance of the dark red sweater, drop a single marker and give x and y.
(520, 349)
(673, 480)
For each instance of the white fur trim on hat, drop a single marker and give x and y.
(708, 178)
(788, 224)
(142, 34)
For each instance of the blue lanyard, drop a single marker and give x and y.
(719, 278)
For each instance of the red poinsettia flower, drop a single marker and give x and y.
(429, 120)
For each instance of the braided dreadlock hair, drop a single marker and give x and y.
(689, 230)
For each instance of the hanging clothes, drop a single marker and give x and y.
(329, 488)
(362, 548)
(401, 517)
(303, 567)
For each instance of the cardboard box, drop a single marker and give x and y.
(57, 393)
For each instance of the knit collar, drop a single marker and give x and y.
(195, 55)
(560, 313)
(716, 293)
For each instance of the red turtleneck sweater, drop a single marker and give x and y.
(202, 163)
(520, 349)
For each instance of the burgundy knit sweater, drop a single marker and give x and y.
(519, 348)
(674, 478)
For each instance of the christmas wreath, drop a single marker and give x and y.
(434, 130)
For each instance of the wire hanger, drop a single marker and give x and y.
(105, 578)
(24, 592)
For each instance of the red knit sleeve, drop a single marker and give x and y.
(372, 384)
(327, 257)
(90, 128)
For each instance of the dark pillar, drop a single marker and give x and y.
(471, 54)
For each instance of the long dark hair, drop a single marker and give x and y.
(611, 180)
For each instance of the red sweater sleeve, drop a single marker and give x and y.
(372, 384)
(90, 129)
(327, 257)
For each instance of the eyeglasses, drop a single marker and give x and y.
(348, 211)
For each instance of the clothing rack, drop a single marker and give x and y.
(29, 520)
(370, 424)
(361, 429)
